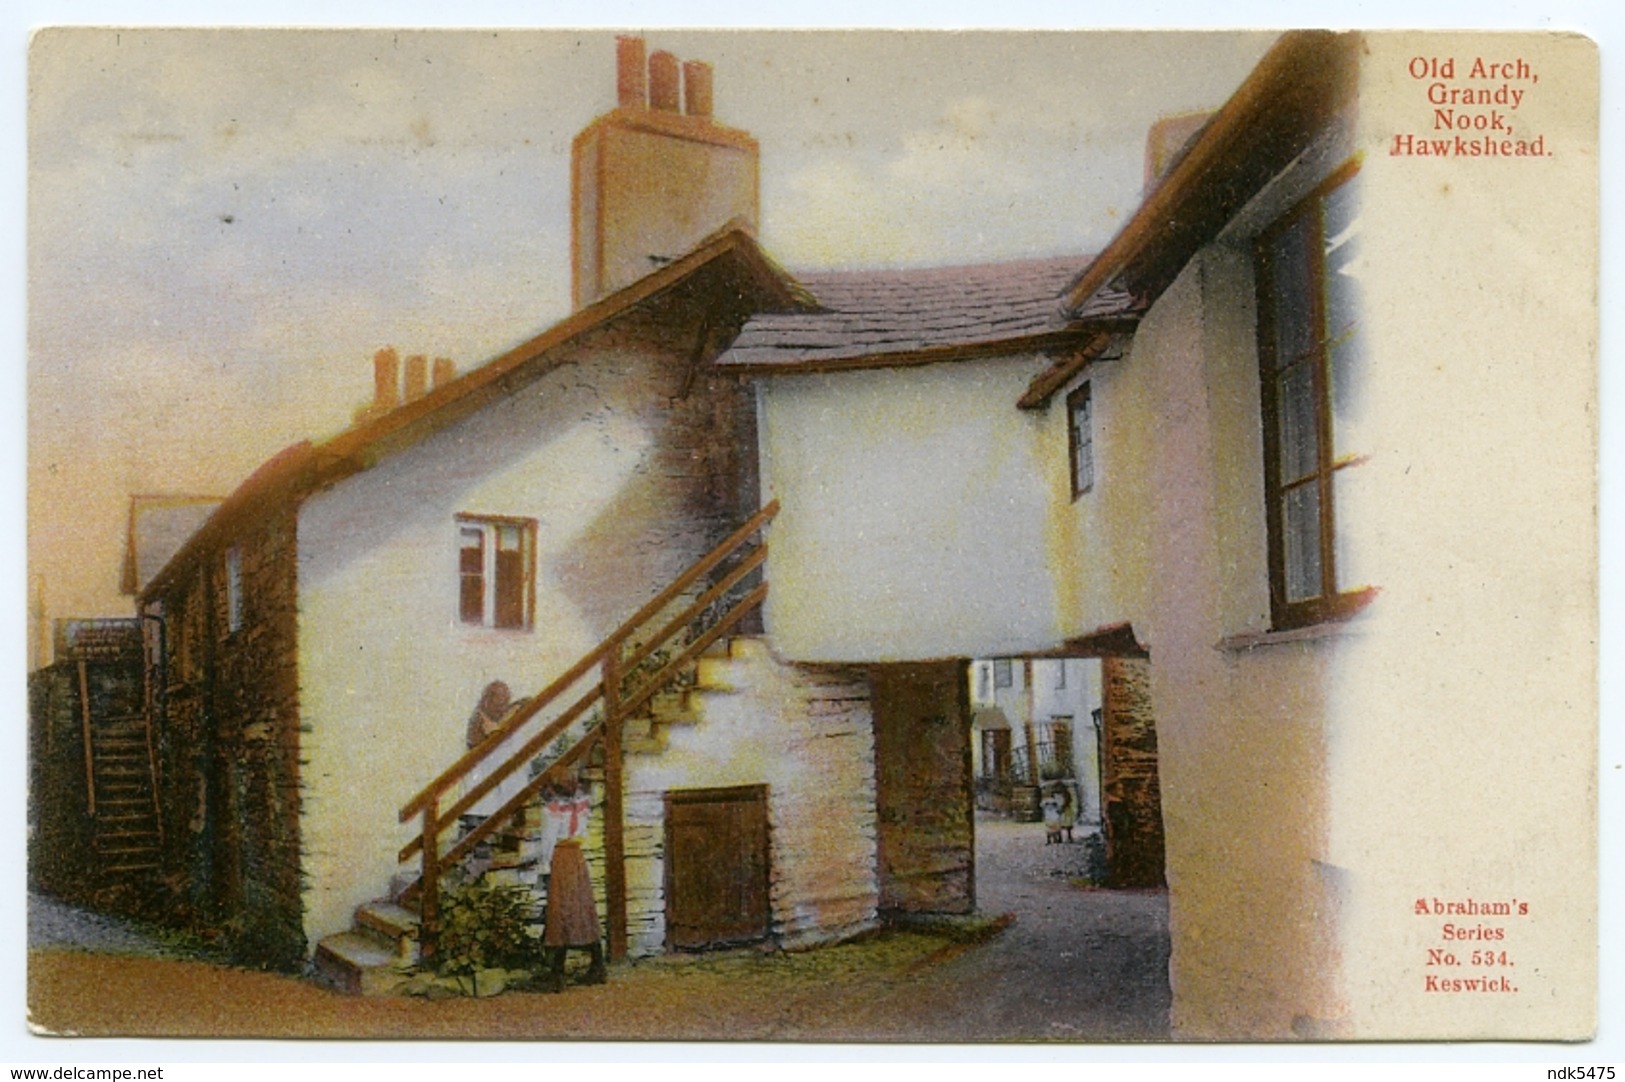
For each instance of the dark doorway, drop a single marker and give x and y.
(716, 867)
(924, 789)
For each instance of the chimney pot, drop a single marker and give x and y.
(663, 78)
(417, 376)
(697, 88)
(386, 378)
(445, 370)
(631, 85)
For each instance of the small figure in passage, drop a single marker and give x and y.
(1060, 815)
(1051, 806)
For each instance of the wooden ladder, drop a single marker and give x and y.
(121, 790)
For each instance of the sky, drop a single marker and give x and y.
(224, 225)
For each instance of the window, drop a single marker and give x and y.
(234, 590)
(1060, 676)
(1080, 434)
(984, 675)
(1310, 351)
(995, 753)
(1003, 676)
(496, 565)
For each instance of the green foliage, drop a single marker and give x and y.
(484, 928)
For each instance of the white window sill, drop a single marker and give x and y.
(1253, 640)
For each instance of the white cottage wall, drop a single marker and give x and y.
(389, 674)
(914, 510)
(807, 734)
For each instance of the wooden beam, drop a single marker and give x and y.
(84, 722)
(614, 808)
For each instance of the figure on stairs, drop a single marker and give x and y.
(572, 915)
(495, 708)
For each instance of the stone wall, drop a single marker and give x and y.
(228, 747)
(806, 733)
(924, 788)
(1131, 794)
(630, 457)
(60, 829)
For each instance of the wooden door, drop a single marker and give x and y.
(716, 867)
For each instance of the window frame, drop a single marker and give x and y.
(1081, 437)
(996, 753)
(490, 575)
(1330, 603)
(1004, 673)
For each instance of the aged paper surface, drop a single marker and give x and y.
(1380, 825)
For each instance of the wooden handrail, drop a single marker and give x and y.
(521, 798)
(90, 750)
(608, 655)
(692, 651)
(529, 750)
(750, 563)
(476, 755)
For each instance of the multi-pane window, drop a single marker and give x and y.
(1080, 435)
(496, 566)
(1003, 673)
(1310, 351)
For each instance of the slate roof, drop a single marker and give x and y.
(875, 317)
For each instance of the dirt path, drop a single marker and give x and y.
(1076, 965)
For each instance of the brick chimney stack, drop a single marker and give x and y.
(631, 75)
(445, 370)
(417, 377)
(655, 176)
(386, 379)
(663, 82)
(697, 88)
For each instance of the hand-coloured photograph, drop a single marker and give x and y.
(869, 536)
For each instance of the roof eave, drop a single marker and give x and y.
(1064, 338)
(1268, 121)
(298, 470)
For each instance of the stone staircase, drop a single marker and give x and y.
(379, 955)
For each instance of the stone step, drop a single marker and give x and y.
(652, 744)
(122, 745)
(714, 674)
(358, 963)
(394, 923)
(116, 839)
(749, 646)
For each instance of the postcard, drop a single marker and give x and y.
(813, 536)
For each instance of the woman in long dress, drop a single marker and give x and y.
(572, 915)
